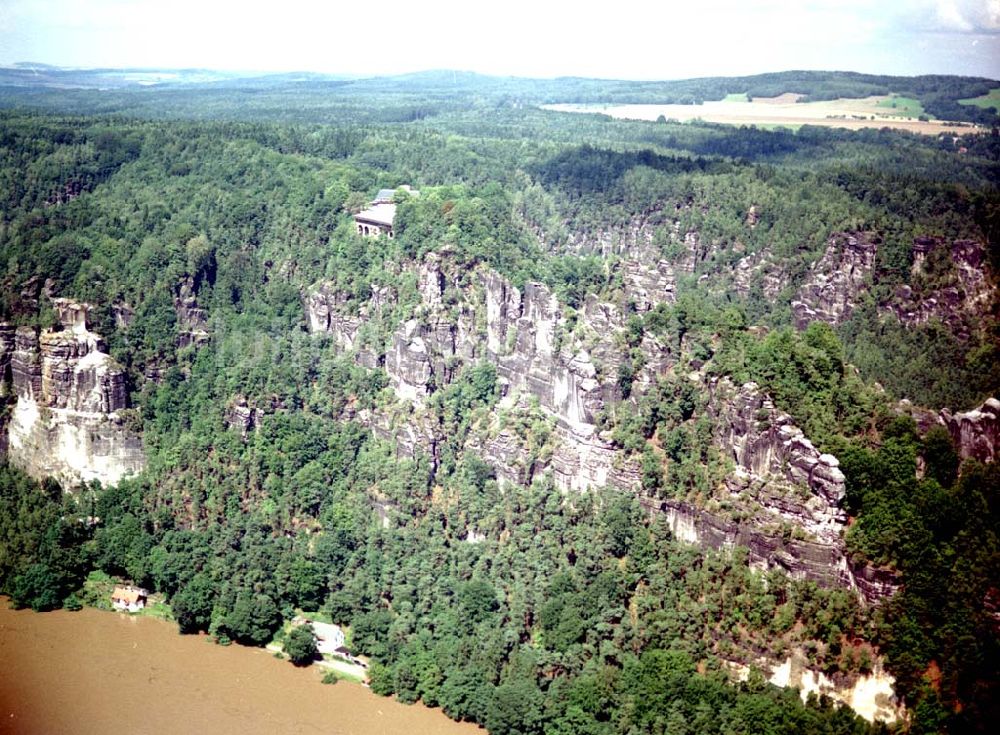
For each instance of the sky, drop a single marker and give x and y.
(625, 39)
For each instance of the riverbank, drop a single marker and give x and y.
(94, 672)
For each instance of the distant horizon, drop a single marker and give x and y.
(432, 70)
(632, 40)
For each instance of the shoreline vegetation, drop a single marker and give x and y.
(96, 591)
(485, 444)
(69, 671)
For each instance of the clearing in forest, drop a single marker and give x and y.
(881, 111)
(986, 101)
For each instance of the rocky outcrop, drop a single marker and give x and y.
(507, 455)
(6, 399)
(781, 501)
(411, 435)
(958, 297)
(836, 280)
(7, 338)
(776, 463)
(123, 315)
(326, 311)
(824, 562)
(192, 320)
(69, 419)
(615, 241)
(577, 459)
(525, 340)
(781, 498)
(582, 462)
(961, 301)
(647, 286)
(870, 695)
(241, 416)
(759, 271)
(522, 331)
(976, 433)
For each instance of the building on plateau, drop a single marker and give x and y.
(377, 219)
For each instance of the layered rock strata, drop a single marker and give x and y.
(786, 492)
(241, 416)
(976, 433)
(775, 461)
(965, 297)
(836, 280)
(192, 320)
(68, 420)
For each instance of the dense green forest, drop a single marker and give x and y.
(575, 613)
(407, 97)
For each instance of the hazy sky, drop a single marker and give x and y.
(621, 38)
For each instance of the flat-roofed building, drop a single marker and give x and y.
(377, 219)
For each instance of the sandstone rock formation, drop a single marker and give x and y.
(241, 416)
(836, 280)
(68, 421)
(774, 460)
(960, 302)
(786, 494)
(192, 320)
(758, 270)
(976, 433)
(6, 354)
(325, 310)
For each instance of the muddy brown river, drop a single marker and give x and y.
(100, 672)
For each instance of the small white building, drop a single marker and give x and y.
(381, 213)
(376, 220)
(329, 637)
(128, 598)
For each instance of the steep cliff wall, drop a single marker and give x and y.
(957, 293)
(775, 462)
(959, 297)
(6, 391)
(784, 498)
(67, 420)
(836, 280)
(781, 498)
(976, 433)
(192, 320)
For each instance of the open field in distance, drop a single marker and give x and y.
(991, 100)
(784, 111)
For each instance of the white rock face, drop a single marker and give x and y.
(774, 457)
(67, 421)
(977, 432)
(871, 696)
(683, 526)
(72, 446)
